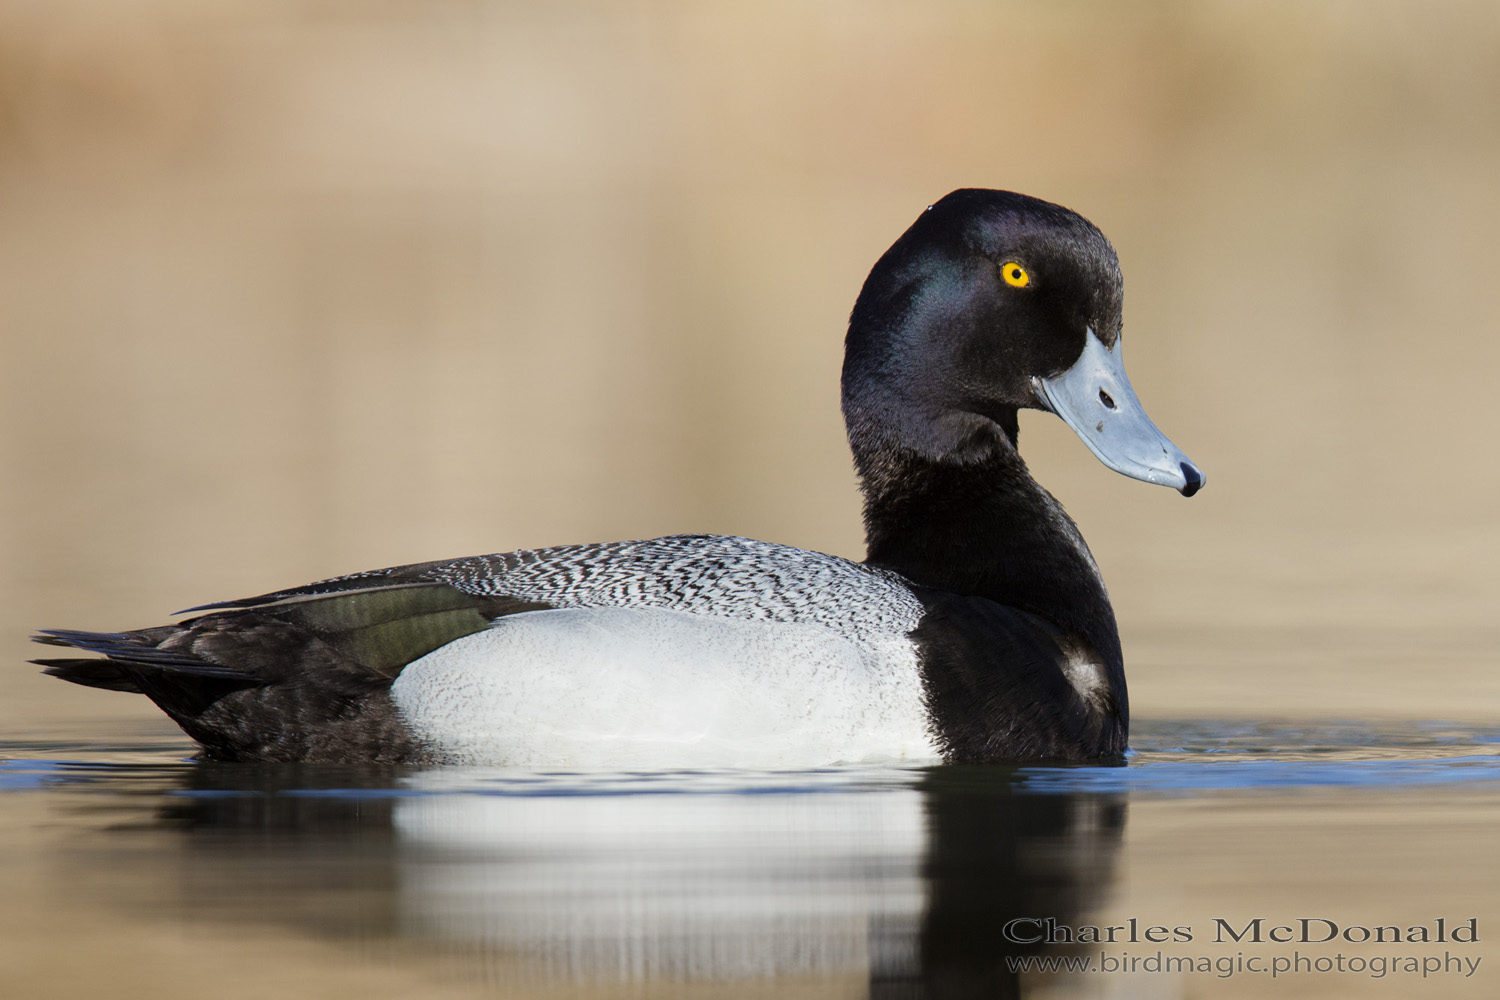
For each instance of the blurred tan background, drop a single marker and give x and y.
(291, 289)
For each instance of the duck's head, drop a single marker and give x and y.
(993, 302)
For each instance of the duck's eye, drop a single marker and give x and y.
(1015, 275)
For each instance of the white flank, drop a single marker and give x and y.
(645, 687)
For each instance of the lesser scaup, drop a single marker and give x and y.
(977, 629)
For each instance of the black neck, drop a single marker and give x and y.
(983, 527)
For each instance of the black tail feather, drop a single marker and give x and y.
(126, 648)
(90, 672)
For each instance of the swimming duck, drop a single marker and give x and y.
(976, 629)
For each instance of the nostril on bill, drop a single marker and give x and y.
(1106, 399)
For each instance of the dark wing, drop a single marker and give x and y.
(299, 675)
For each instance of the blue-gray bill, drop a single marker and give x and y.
(1095, 399)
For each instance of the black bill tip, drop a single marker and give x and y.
(1194, 479)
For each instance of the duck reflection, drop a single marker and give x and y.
(997, 852)
(907, 876)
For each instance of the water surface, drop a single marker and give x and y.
(882, 881)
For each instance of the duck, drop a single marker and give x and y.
(977, 629)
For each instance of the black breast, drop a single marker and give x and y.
(999, 688)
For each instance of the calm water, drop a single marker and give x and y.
(853, 881)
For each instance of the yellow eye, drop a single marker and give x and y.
(1015, 275)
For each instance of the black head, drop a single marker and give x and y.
(986, 292)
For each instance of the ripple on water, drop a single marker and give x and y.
(1170, 757)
